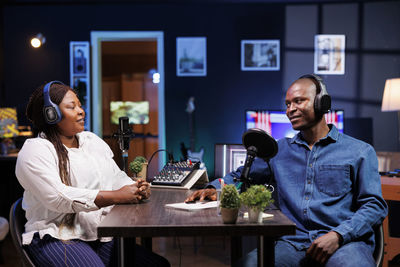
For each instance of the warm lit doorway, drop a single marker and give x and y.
(123, 64)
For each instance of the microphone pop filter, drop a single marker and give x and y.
(267, 147)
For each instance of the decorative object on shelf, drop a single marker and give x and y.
(138, 167)
(230, 204)
(256, 198)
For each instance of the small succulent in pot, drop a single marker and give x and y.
(256, 198)
(229, 203)
(138, 167)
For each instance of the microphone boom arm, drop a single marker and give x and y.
(260, 144)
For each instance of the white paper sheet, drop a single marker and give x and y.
(193, 206)
(264, 216)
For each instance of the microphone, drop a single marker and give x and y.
(266, 146)
(260, 144)
(251, 154)
(124, 136)
(124, 133)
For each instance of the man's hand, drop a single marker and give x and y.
(203, 194)
(324, 246)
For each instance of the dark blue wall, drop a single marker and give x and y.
(220, 98)
(372, 55)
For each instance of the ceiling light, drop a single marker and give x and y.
(38, 40)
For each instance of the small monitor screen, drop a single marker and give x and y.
(8, 123)
(227, 158)
(137, 112)
(277, 124)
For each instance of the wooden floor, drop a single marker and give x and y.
(185, 251)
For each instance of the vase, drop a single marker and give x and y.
(229, 216)
(143, 173)
(255, 215)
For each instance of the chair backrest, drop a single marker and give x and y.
(17, 227)
(379, 246)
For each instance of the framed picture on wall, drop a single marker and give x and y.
(191, 56)
(260, 55)
(329, 54)
(79, 53)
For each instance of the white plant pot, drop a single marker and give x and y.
(255, 215)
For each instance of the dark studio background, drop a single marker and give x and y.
(372, 56)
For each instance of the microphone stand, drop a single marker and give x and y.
(244, 176)
(124, 136)
(124, 149)
(131, 135)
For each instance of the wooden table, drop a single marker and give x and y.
(390, 191)
(152, 219)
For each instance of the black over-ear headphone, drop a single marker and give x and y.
(51, 111)
(322, 101)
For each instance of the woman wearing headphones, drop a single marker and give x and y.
(71, 181)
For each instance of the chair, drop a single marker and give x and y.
(379, 246)
(4, 228)
(17, 223)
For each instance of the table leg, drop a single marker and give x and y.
(236, 249)
(120, 249)
(126, 250)
(147, 242)
(266, 251)
(129, 251)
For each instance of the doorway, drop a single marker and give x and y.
(123, 65)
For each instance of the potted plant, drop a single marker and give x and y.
(229, 203)
(138, 167)
(256, 198)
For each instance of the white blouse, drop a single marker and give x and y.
(46, 199)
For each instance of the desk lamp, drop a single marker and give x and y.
(391, 97)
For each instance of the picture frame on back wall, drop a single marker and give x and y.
(329, 54)
(79, 52)
(260, 55)
(191, 56)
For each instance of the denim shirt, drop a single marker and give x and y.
(335, 186)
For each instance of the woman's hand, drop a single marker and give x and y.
(144, 188)
(128, 194)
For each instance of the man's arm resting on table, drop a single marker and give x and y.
(202, 194)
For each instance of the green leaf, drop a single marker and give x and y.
(230, 197)
(257, 196)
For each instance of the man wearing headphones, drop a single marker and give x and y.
(328, 184)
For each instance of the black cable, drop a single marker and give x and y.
(271, 176)
(159, 150)
(270, 187)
